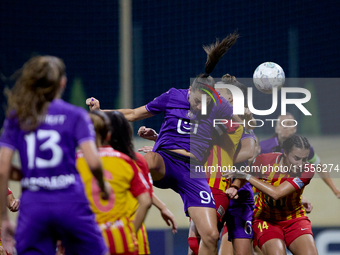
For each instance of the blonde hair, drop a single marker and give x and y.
(37, 85)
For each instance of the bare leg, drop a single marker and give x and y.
(242, 246)
(274, 247)
(257, 251)
(226, 247)
(205, 220)
(156, 165)
(303, 245)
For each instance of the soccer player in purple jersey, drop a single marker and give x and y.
(183, 141)
(46, 131)
(285, 127)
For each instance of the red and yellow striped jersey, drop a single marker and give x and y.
(288, 207)
(122, 175)
(222, 158)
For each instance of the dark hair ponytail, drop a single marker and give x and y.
(121, 134)
(215, 52)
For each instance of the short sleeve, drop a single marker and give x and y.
(143, 166)
(304, 179)
(159, 104)
(84, 130)
(257, 161)
(10, 134)
(138, 183)
(248, 134)
(298, 182)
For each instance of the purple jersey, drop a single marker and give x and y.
(272, 145)
(246, 192)
(48, 153)
(183, 129)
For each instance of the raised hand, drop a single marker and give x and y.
(306, 204)
(14, 205)
(93, 103)
(169, 218)
(236, 174)
(147, 133)
(232, 193)
(145, 149)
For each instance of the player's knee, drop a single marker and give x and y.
(210, 237)
(151, 160)
(194, 243)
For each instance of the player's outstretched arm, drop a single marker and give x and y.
(131, 115)
(284, 189)
(246, 152)
(166, 214)
(6, 155)
(7, 232)
(329, 182)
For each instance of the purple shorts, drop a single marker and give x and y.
(40, 225)
(193, 189)
(239, 221)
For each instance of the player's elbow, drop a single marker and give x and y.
(275, 195)
(95, 165)
(131, 116)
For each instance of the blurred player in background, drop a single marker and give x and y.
(183, 142)
(279, 216)
(122, 174)
(286, 127)
(46, 131)
(13, 206)
(120, 131)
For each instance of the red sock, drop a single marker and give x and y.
(194, 243)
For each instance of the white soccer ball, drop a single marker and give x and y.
(268, 75)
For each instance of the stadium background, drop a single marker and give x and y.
(167, 38)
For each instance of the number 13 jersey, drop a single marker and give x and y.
(48, 153)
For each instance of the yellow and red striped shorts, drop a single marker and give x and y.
(143, 242)
(120, 237)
